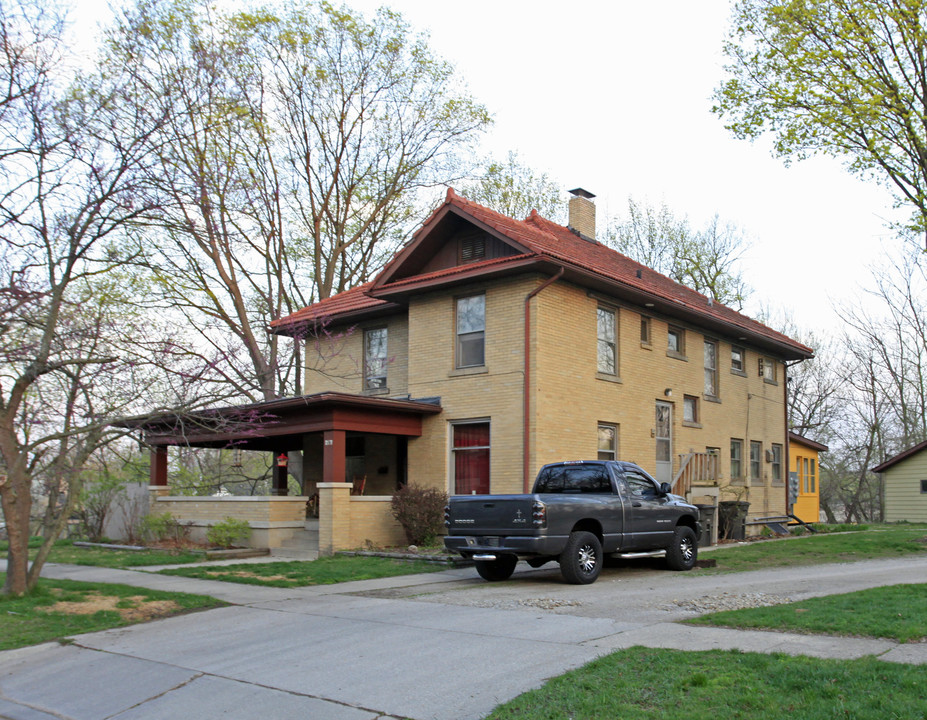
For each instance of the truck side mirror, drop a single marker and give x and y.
(665, 489)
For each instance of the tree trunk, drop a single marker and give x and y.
(17, 504)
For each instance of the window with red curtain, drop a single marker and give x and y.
(471, 458)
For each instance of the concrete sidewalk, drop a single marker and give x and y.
(441, 645)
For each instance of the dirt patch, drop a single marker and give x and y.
(246, 574)
(94, 602)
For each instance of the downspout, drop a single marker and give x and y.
(527, 375)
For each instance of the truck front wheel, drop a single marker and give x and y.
(581, 559)
(681, 555)
(499, 569)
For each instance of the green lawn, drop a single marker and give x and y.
(880, 541)
(898, 612)
(65, 551)
(649, 684)
(324, 571)
(57, 609)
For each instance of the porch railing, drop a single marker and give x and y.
(695, 469)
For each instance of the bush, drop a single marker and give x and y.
(163, 527)
(420, 511)
(228, 532)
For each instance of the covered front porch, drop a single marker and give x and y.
(346, 453)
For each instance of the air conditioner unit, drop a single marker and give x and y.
(769, 456)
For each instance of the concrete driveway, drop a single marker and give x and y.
(446, 645)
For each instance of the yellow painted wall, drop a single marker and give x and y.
(807, 505)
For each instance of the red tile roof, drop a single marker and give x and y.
(543, 240)
(344, 303)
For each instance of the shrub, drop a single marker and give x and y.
(420, 511)
(228, 532)
(163, 527)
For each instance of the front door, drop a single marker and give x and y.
(664, 436)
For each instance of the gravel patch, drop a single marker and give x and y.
(726, 601)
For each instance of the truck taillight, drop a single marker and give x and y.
(447, 516)
(539, 514)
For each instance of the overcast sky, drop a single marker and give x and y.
(615, 97)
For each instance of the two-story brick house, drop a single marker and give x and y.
(485, 348)
(540, 344)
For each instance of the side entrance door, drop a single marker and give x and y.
(664, 436)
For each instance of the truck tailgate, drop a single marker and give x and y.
(490, 514)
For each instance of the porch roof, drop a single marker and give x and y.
(280, 424)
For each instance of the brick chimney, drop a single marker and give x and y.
(582, 214)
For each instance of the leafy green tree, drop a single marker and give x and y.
(514, 189)
(705, 260)
(846, 78)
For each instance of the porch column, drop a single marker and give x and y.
(158, 471)
(334, 465)
(280, 475)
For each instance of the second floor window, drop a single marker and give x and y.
(606, 355)
(711, 368)
(676, 340)
(375, 358)
(737, 359)
(471, 331)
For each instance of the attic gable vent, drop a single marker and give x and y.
(472, 248)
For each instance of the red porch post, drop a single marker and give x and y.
(333, 456)
(158, 470)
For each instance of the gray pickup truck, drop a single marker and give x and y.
(578, 513)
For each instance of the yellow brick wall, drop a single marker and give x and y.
(493, 392)
(335, 361)
(372, 522)
(568, 399)
(571, 398)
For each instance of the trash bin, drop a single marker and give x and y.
(732, 519)
(706, 518)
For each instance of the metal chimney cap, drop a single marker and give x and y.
(579, 192)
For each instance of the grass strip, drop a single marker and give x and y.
(647, 684)
(324, 571)
(65, 552)
(58, 609)
(897, 612)
(884, 541)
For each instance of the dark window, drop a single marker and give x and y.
(472, 248)
(924, 486)
(574, 479)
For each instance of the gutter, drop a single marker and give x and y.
(527, 375)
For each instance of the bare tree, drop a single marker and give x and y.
(706, 260)
(514, 189)
(290, 161)
(70, 188)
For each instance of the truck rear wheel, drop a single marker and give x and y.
(681, 555)
(581, 559)
(499, 569)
